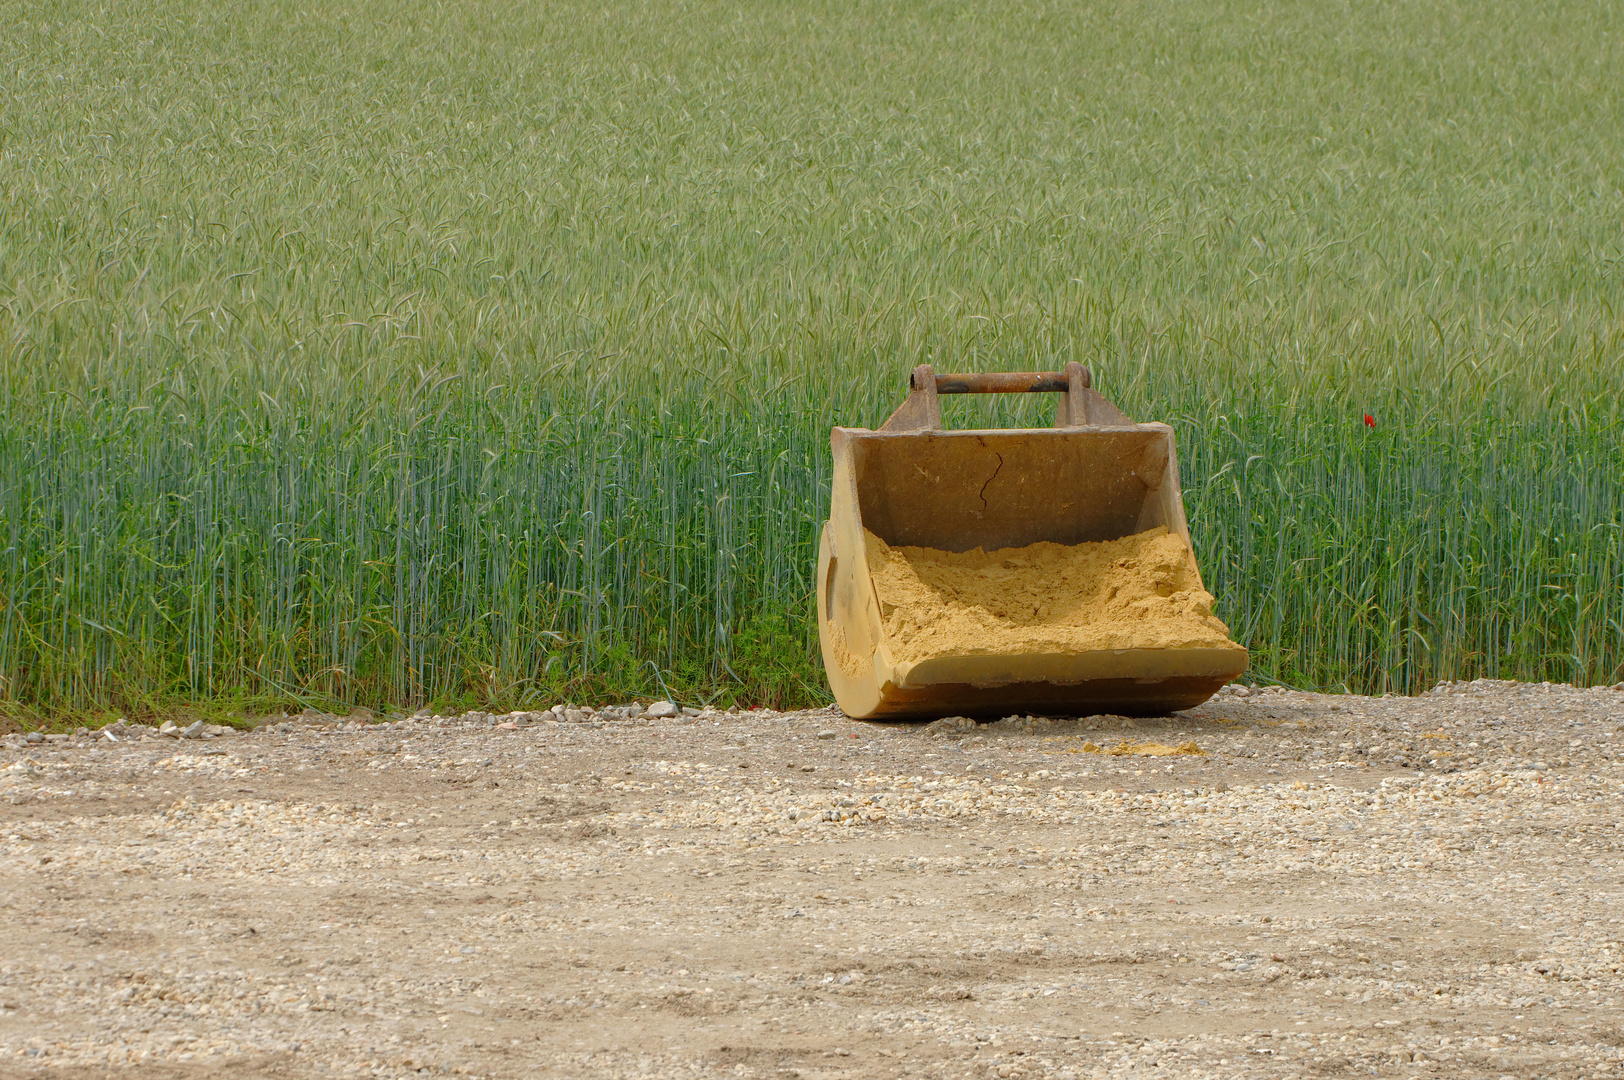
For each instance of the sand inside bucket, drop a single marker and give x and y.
(1139, 592)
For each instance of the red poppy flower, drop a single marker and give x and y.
(1370, 421)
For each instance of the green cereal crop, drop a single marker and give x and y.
(409, 351)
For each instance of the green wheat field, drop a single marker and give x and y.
(414, 352)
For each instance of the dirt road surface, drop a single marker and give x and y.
(1331, 886)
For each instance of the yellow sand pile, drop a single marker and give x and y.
(1139, 592)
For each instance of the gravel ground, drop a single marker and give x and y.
(1275, 884)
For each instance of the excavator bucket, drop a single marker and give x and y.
(988, 572)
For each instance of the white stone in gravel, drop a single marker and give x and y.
(662, 709)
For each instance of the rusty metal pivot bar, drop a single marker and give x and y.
(1079, 404)
(1003, 382)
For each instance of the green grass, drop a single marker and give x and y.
(458, 352)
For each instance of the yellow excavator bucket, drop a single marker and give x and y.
(988, 572)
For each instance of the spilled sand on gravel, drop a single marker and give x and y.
(1146, 749)
(1139, 592)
